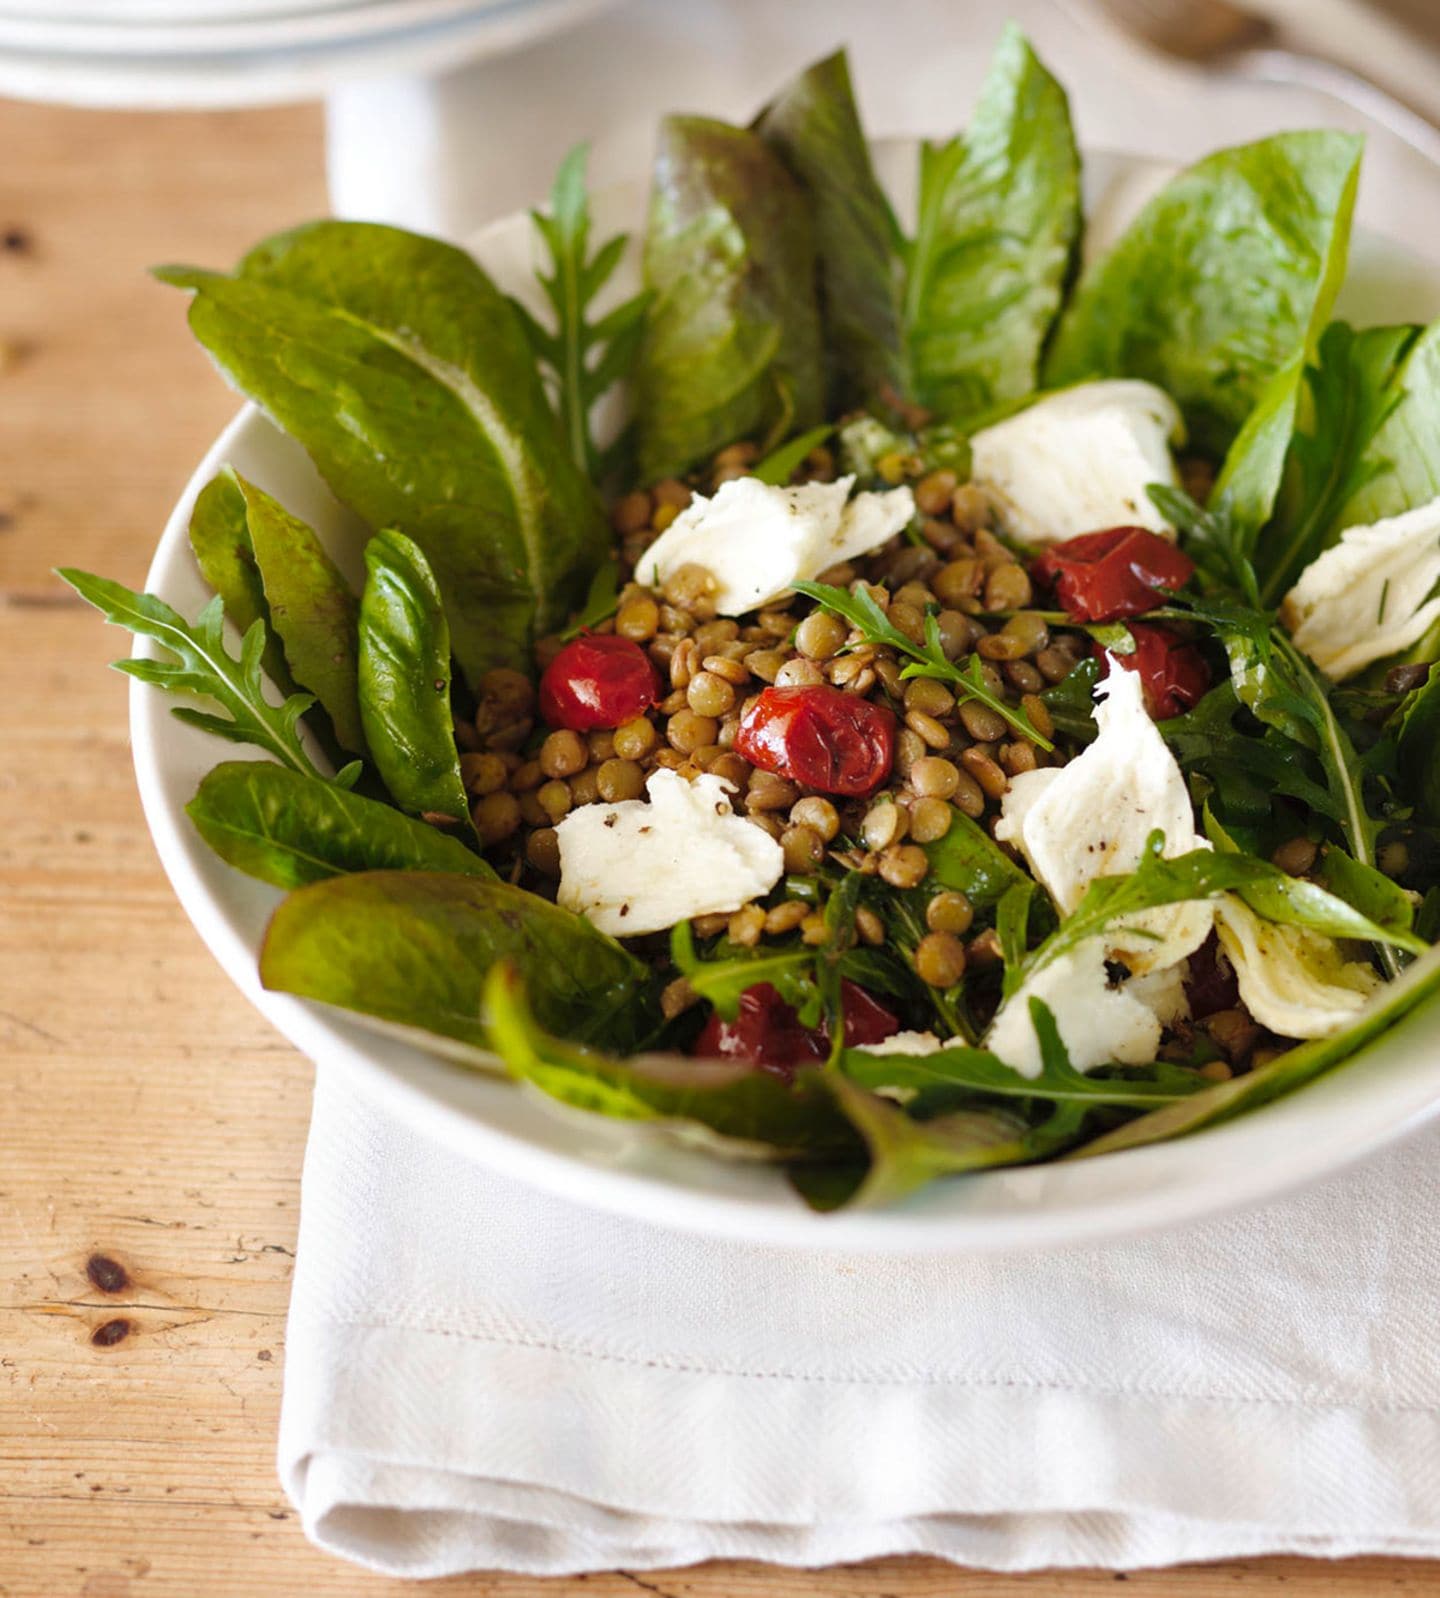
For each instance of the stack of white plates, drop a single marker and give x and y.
(196, 53)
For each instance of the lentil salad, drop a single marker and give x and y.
(1026, 829)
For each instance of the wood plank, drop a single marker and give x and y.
(151, 1124)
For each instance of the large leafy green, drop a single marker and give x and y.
(583, 359)
(1417, 748)
(732, 340)
(1288, 1071)
(1351, 393)
(1403, 461)
(1222, 282)
(220, 539)
(404, 677)
(289, 829)
(999, 214)
(414, 948)
(967, 860)
(736, 1107)
(815, 127)
(408, 377)
(311, 607)
(204, 666)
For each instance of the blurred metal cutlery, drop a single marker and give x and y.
(1341, 48)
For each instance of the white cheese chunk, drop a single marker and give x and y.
(1091, 819)
(1369, 596)
(1098, 1024)
(1291, 980)
(633, 867)
(1080, 460)
(757, 540)
(905, 1043)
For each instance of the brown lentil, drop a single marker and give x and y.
(764, 663)
(813, 930)
(709, 695)
(940, 959)
(542, 850)
(934, 733)
(496, 816)
(483, 774)
(563, 754)
(1295, 856)
(934, 492)
(993, 781)
(746, 925)
(908, 620)
(688, 732)
(818, 815)
(903, 865)
(638, 619)
(984, 948)
(692, 587)
(969, 508)
(885, 823)
(728, 670)
(982, 723)
(673, 701)
(620, 779)
(799, 673)
(969, 797)
(1008, 587)
(958, 584)
(1024, 675)
(769, 792)
(934, 778)
(585, 786)
(601, 744)
(785, 917)
(820, 635)
(733, 768)
(676, 998)
(949, 911)
(635, 739)
(870, 927)
(929, 820)
(1055, 663)
(804, 849)
(631, 513)
(532, 812)
(526, 776)
(929, 696)
(554, 799)
(909, 747)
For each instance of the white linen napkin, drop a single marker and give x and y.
(481, 1376)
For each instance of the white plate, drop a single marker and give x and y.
(217, 78)
(333, 25)
(1393, 1087)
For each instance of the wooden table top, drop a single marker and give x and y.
(152, 1125)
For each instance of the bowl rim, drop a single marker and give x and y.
(1250, 1160)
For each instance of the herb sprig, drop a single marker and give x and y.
(926, 660)
(583, 359)
(206, 667)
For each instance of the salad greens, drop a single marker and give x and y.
(999, 217)
(732, 339)
(789, 320)
(408, 377)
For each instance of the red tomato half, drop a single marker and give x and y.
(819, 737)
(767, 1031)
(1123, 571)
(598, 680)
(1173, 673)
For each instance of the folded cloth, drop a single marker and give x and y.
(479, 1376)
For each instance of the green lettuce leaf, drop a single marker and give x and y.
(414, 949)
(814, 126)
(404, 677)
(289, 829)
(732, 340)
(1417, 748)
(311, 607)
(1403, 461)
(999, 214)
(1217, 292)
(408, 377)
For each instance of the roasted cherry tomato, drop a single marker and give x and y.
(767, 1032)
(819, 737)
(1123, 571)
(1173, 673)
(598, 680)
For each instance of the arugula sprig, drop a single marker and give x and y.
(204, 666)
(583, 359)
(1216, 540)
(925, 660)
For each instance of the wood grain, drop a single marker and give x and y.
(152, 1125)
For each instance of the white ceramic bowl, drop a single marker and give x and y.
(1392, 1087)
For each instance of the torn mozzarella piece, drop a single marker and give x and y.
(905, 1043)
(757, 540)
(633, 867)
(1369, 596)
(1292, 980)
(1098, 1024)
(1163, 993)
(1091, 819)
(1080, 461)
